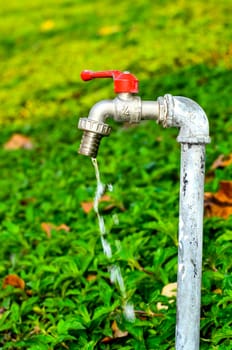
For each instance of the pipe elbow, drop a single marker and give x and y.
(102, 110)
(186, 114)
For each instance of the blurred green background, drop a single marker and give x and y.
(182, 48)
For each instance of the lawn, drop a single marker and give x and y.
(55, 290)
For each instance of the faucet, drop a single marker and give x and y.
(126, 107)
(190, 118)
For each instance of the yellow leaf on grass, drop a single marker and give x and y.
(108, 30)
(47, 25)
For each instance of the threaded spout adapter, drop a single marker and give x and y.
(93, 132)
(89, 144)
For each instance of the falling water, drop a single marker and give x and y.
(115, 271)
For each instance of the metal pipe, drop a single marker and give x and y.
(190, 246)
(194, 134)
(150, 110)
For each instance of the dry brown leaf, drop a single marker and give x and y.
(169, 291)
(107, 340)
(217, 291)
(88, 206)
(220, 203)
(2, 310)
(143, 315)
(222, 161)
(36, 330)
(26, 201)
(117, 333)
(18, 141)
(63, 227)
(90, 278)
(14, 281)
(47, 227)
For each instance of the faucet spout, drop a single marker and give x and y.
(95, 128)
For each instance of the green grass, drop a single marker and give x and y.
(182, 48)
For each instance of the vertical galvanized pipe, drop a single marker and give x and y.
(193, 125)
(190, 246)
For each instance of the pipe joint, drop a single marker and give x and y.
(187, 115)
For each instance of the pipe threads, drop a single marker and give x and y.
(89, 144)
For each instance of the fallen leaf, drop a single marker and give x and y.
(63, 227)
(169, 291)
(26, 201)
(107, 340)
(47, 25)
(88, 206)
(2, 310)
(143, 315)
(47, 227)
(14, 281)
(217, 291)
(29, 292)
(92, 277)
(220, 203)
(108, 30)
(222, 161)
(36, 330)
(117, 333)
(18, 141)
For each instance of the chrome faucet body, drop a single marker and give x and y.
(126, 107)
(189, 117)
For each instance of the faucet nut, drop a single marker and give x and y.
(94, 126)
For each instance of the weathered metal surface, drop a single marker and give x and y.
(190, 246)
(192, 121)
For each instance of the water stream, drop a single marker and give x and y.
(115, 271)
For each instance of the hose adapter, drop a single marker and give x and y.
(93, 132)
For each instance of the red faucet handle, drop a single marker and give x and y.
(123, 81)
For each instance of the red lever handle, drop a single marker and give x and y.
(123, 81)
